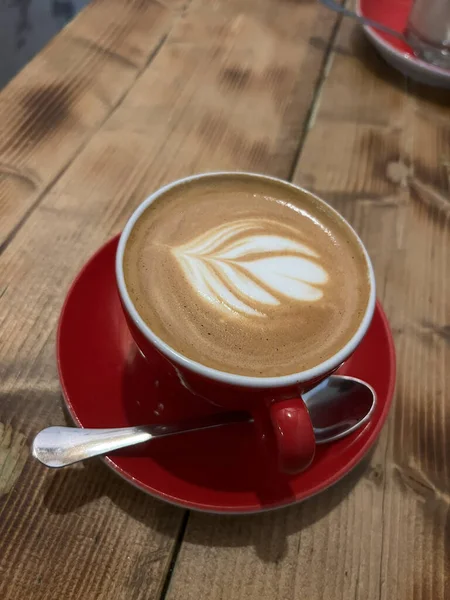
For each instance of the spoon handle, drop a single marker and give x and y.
(62, 446)
(362, 20)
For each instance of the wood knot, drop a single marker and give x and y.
(398, 173)
(376, 474)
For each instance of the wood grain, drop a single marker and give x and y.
(378, 149)
(55, 104)
(230, 88)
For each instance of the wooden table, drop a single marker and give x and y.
(135, 93)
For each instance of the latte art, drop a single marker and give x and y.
(248, 265)
(246, 275)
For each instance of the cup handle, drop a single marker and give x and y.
(294, 434)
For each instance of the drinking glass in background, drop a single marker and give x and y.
(428, 30)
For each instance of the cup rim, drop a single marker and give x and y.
(223, 376)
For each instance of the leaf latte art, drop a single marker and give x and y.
(250, 265)
(246, 275)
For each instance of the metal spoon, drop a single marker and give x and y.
(364, 20)
(338, 406)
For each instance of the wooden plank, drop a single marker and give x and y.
(55, 104)
(230, 88)
(379, 150)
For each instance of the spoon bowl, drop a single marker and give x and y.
(338, 406)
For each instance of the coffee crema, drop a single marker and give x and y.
(246, 275)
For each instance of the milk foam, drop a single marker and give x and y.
(247, 265)
(246, 275)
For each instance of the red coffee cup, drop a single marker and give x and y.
(279, 412)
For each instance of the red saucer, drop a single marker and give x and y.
(106, 383)
(394, 14)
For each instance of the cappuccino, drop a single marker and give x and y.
(247, 275)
